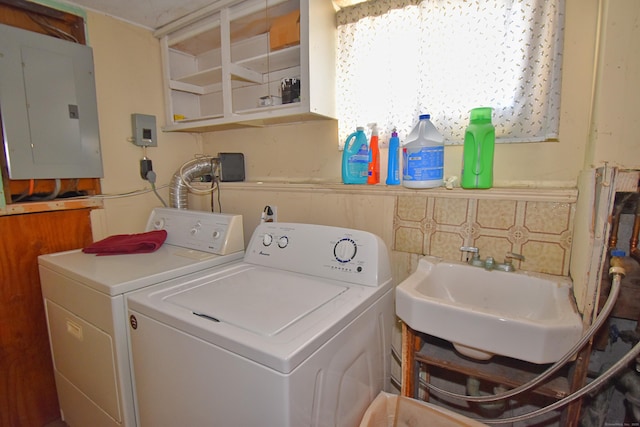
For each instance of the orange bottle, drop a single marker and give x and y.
(373, 174)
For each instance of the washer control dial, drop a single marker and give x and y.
(345, 250)
(283, 242)
(267, 239)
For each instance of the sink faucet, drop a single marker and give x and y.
(508, 262)
(475, 259)
(489, 263)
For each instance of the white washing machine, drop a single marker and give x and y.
(84, 298)
(297, 334)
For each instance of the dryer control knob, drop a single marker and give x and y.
(216, 234)
(267, 239)
(196, 228)
(158, 224)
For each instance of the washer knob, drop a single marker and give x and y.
(283, 242)
(345, 250)
(267, 239)
(216, 234)
(158, 224)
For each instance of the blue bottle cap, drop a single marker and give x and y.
(618, 252)
(424, 116)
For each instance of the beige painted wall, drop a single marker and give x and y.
(128, 79)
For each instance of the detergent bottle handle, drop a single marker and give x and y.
(478, 166)
(349, 138)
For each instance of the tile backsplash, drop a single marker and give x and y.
(540, 230)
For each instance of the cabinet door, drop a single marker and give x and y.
(226, 67)
(48, 107)
(27, 390)
(265, 49)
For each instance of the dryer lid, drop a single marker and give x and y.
(258, 299)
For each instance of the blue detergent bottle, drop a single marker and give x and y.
(393, 165)
(355, 158)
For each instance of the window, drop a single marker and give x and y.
(398, 59)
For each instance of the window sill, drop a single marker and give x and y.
(555, 194)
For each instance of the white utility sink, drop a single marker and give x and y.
(523, 315)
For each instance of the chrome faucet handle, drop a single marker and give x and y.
(508, 261)
(510, 256)
(475, 259)
(472, 249)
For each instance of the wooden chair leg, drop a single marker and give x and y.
(578, 379)
(410, 345)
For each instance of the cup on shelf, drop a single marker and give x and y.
(290, 89)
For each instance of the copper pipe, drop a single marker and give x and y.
(613, 239)
(615, 219)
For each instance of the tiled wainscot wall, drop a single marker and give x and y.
(538, 227)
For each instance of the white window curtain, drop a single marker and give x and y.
(398, 59)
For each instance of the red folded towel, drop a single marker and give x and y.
(128, 243)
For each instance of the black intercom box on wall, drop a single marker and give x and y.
(231, 167)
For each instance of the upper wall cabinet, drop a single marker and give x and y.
(249, 63)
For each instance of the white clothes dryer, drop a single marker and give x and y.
(84, 297)
(297, 334)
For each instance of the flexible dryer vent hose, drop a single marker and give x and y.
(180, 182)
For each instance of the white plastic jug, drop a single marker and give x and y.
(423, 156)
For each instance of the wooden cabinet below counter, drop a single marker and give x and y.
(27, 391)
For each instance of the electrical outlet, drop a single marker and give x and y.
(145, 167)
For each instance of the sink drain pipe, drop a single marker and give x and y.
(617, 272)
(487, 409)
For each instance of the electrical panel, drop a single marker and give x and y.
(48, 107)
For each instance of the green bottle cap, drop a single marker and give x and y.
(481, 115)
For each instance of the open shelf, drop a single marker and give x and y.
(425, 354)
(498, 370)
(219, 62)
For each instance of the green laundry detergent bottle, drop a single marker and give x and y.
(479, 144)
